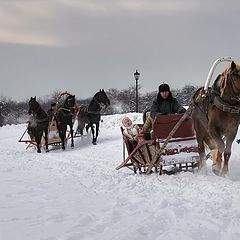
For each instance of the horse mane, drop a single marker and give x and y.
(216, 86)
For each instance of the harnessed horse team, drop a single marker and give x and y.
(39, 121)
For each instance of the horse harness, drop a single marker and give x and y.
(225, 107)
(68, 110)
(216, 99)
(85, 109)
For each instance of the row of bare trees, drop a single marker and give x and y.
(122, 101)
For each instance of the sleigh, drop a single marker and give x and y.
(173, 147)
(53, 135)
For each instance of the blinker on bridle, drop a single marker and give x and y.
(236, 74)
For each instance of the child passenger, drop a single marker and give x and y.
(131, 131)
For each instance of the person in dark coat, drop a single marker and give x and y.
(52, 110)
(165, 103)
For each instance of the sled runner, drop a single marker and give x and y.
(173, 147)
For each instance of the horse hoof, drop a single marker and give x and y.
(94, 143)
(72, 145)
(47, 150)
(223, 173)
(216, 172)
(63, 148)
(39, 151)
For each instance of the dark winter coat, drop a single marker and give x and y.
(166, 106)
(50, 112)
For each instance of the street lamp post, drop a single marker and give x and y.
(136, 76)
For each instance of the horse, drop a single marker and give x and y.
(38, 123)
(216, 117)
(91, 115)
(64, 117)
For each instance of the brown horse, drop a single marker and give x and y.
(216, 117)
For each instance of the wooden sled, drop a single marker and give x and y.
(180, 154)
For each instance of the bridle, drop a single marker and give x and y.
(35, 111)
(35, 115)
(222, 103)
(66, 106)
(236, 95)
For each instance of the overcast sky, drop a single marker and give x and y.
(84, 45)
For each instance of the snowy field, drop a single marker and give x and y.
(77, 194)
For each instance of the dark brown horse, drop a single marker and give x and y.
(64, 118)
(38, 123)
(91, 114)
(216, 116)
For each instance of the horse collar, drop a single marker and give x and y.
(225, 107)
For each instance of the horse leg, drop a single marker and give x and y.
(202, 155)
(46, 139)
(217, 157)
(80, 127)
(60, 132)
(97, 130)
(224, 169)
(220, 145)
(38, 138)
(93, 134)
(80, 130)
(227, 154)
(201, 148)
(200, 130)
(87, 127)
(64, 129)
(71, 131)
(61, 135)
(217, 162)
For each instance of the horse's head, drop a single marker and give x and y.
(101, 97)
(70, 103)
(230, 83)
(33, 106)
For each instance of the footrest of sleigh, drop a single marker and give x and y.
(164, 169)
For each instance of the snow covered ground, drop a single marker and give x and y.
(77, 194)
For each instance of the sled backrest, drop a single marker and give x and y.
(126, 141)
(163, 125)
